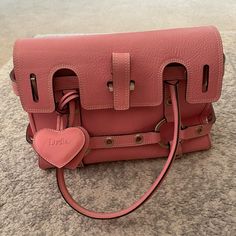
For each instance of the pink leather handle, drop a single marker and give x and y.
(109, 215)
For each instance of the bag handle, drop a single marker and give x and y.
(173, 149)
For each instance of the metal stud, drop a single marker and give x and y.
(131, 85)
(109, 141)
(168, 101)
(138, 138)
(199, 129)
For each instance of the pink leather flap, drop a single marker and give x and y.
(90, 57)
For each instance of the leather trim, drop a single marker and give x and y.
(111, 215)
(121, 80)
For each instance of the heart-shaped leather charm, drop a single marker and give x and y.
(59, 147)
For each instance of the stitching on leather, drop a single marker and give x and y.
(121, 102)
(138, 104)
(220, 61)
(127, 91)
(49, 86)
(114, 61)
(55, 131)
(172, 60)
(146, 140)
(81, 89)
(125, 101)
(16, 59)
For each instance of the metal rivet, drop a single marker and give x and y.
(138, 138)
(168, 101)
(199, 129)
(111, 89)
(109, 141)
(159, 124)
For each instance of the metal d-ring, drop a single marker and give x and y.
(157, 130)
(159, 124)
(29, 139)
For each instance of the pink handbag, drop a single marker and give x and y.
(109, 97)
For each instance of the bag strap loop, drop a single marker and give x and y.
(173, 149)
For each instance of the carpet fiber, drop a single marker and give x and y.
(197, 198)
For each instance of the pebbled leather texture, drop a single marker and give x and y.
(121, 80)
(59, 147)
(90, 58)
(63, 82)
(121, 125)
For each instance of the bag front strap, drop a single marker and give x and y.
(121, 80)
(109, 215)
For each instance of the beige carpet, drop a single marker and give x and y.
(26, 18)
(197, 198)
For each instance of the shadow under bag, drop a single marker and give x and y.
(123, 96)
